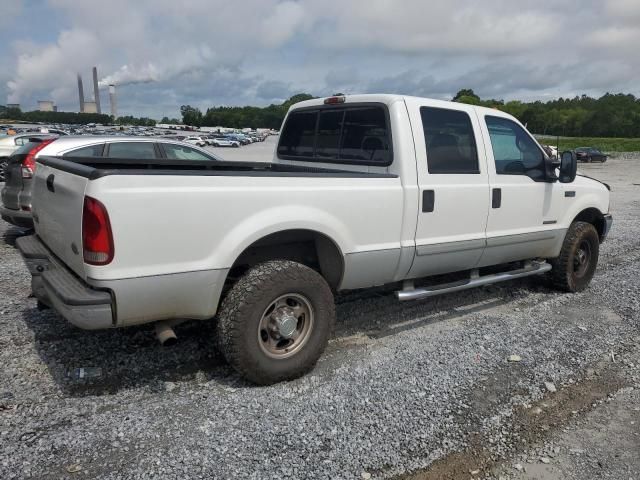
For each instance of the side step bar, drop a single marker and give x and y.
(474, 281)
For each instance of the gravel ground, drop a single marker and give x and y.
(402, 388)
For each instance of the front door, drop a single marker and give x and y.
(525, 207)
(454, 188)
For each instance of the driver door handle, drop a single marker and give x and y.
(428, 201)
(496, 198)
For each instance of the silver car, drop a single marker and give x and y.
(11, 143)
(16, 194)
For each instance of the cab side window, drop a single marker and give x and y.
(514, 152)
(450, 141)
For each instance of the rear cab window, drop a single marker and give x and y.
(356, 134)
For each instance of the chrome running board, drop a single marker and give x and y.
(410, 293)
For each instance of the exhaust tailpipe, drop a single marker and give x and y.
(165, 334)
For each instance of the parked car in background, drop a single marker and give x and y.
(199, 141)
(19, 170)
(21, 166)
(590, 154)
(239, 138)
(550, 150)
(225, 142)
(10, 143)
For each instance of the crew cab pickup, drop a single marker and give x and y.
(363, 190)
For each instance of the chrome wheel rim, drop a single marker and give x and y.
(582, 258)
(285, 326)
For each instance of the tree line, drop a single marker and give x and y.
(240, 117)
(612, 115)
(71, 118)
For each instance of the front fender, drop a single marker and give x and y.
(588, 194)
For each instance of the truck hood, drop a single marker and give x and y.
(595, 180)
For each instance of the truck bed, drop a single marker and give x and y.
(96, 167)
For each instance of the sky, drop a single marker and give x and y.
(162, 54)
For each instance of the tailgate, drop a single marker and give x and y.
(58, 199)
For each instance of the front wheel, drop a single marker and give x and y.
(276, 321)
(573, 270)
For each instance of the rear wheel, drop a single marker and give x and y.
(276, 321)
(574, 268)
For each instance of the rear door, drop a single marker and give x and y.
(454, 187)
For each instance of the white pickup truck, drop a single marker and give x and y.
(364, 190)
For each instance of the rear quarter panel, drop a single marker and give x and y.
(170, 224)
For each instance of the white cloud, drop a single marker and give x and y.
(128, 75)
(283, 23)
(207, 52)
(627, 10)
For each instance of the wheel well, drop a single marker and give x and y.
(310, 248)
(594, 217)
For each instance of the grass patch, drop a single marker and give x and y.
(603, 144)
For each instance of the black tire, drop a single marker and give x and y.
(240, 331)
(573, 270)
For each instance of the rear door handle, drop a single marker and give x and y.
(428, 200)
(496, 198)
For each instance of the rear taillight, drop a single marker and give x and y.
(97, 239)
(29, 163)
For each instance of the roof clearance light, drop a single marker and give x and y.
(334, 100)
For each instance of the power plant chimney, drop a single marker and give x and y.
(112, 100)
(96, 92)
(81, 94)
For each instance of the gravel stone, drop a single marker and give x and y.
(401, 386)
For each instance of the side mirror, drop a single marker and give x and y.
(568, 167)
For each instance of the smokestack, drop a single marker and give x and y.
(81, 93)
(112, 99)
(96, 92)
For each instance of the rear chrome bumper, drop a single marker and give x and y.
(16, 217)
(608, 222)
(56, 286)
